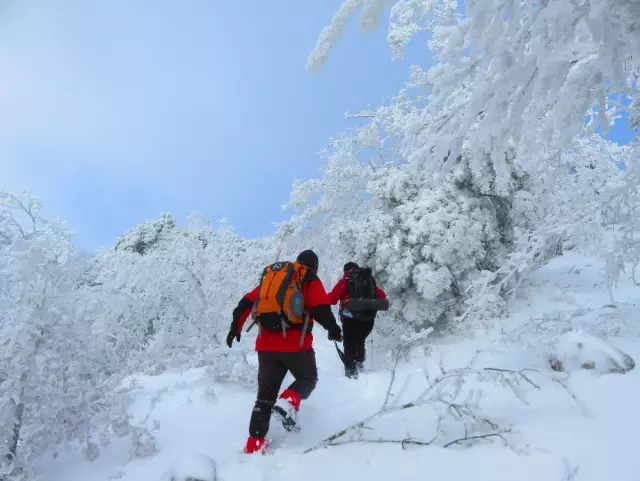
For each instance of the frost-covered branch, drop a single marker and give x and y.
(509, 75)
(331, 34)
(448, 411)
(57, 363)
(453, 398)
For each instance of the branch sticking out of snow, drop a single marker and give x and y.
(571, 470)
(454, 401)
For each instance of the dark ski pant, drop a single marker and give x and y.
(354, 335)
(272, 369)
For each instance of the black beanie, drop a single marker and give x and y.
(309, 259)
(350, 265)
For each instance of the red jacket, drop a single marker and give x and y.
(340, 292)
(316, 303)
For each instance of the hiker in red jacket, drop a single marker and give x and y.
(282, 345)
(356, 326)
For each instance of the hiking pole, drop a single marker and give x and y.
(340, 353)
(372, 352)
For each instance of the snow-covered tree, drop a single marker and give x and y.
(509, 93)
(54, 376)
(180, 286)
(634, 114)
(510, 74)
(478, 171)
(321, 205)
(425, 245)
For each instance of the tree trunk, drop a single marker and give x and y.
(10, 431)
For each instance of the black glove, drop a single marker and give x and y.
(335, 333)
(232, 333)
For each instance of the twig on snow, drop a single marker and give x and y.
(402, 442)
(499, 434)
(571, 471)
(443, 396)
(584, 410)
(441, 401)
(388, 396)
(520, 373)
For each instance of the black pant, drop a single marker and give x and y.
(354, 335)
(272, 369)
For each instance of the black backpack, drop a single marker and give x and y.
(361, 284)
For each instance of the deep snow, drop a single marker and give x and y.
(554, 437)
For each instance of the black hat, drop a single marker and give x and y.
(309, 259)
(350, 265)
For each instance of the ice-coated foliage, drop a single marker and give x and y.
(180, 286)
(634, 114)
(480, 170)
(512, 77)
(73, 326)
(147, 236)
(55, 370)
(426, 245)
(510, 74)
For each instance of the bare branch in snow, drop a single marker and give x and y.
(479, 436)
(571, 470)
(454, 399)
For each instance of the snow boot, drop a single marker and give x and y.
(256, 445)
(351, 372)
(286, 409)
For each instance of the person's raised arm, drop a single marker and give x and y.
(317, 304)
(338, 292)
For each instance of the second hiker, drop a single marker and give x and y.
(356, 283)
(284, 306)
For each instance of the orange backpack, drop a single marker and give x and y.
(280, 303)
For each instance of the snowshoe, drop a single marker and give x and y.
(287, 415)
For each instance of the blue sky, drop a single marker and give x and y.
(113, 112)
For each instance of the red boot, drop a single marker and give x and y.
(255, 445)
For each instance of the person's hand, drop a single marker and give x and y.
(335, 333)
(231, 335)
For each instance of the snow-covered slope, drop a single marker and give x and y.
(531, 422)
